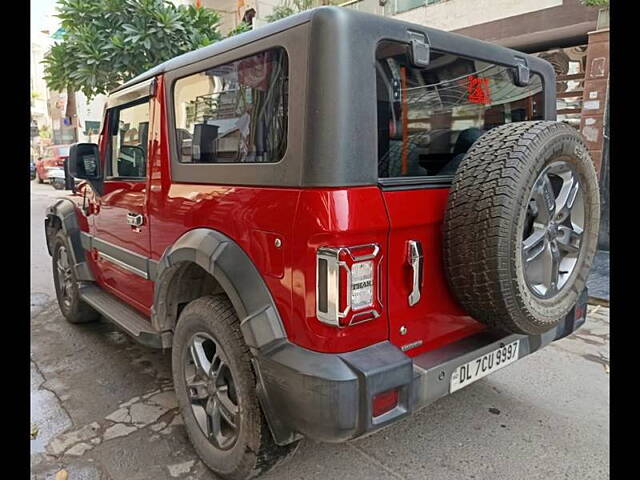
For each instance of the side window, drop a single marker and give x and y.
(129, 133)
(235, 112)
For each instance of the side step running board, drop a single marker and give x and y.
(122, 315)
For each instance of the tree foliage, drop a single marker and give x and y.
(596, 3)
(107, 42)
(289, 7)
(240, 28)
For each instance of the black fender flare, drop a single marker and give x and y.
(65, 211)
(260, 322)
(232, 268)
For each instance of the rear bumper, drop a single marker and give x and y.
(328, 397)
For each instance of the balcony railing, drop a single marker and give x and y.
(388, 7)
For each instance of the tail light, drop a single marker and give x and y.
(348, 284)
(60, 161)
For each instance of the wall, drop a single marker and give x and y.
(456, 14)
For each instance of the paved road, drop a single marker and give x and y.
(103, 408)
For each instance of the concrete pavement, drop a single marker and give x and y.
(103, 408)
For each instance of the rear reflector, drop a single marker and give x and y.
(384, 402)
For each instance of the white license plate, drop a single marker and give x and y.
(483, 366)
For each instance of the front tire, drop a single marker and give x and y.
(66, 284)
(216, 391)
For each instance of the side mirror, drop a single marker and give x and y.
(84, 161)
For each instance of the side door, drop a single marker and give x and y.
(121, 228)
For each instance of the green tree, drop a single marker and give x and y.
(44, 132)
(289, 7)
(107, 42)
(240, 28)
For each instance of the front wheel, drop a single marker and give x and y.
(215, 387)
(66, 284)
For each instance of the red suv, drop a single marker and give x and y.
(333, 221)
(53, 158)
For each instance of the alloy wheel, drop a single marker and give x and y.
(553, 231)
(211, 391)
(65, 279)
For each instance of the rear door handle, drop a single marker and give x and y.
(135, 219)
(416, 261)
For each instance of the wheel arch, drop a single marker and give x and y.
(233, 273)
(62, 215)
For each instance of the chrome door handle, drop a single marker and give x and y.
(416, 261)
(135, 219)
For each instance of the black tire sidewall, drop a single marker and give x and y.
(237, 461)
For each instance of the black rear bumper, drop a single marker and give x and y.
(328, 397)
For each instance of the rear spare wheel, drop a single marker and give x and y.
(521, 226)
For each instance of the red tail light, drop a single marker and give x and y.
(347, 284)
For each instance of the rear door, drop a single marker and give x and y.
(121, 227)
(427, 119)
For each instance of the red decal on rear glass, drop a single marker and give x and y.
(479, 90)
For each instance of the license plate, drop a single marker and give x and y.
(483, 366)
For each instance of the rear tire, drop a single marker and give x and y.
(208, 332)
(66, 284)
(521, 226)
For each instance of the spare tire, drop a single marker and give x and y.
(521, 226)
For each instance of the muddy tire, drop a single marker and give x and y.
(521, 226)
(216, 390)
(66, 284)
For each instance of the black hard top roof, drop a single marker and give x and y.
(346, 19)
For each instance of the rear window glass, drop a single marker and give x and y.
(429, 117)
(236, 112)
(63, 151)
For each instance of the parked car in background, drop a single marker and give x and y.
(32, 169)
(57, 178)
(53, 158)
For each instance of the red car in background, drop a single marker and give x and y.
(54, 157)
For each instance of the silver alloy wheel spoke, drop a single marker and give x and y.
(543, 196)
(553, 231)
(199, 357)
(552, 269)
(227, 408)
(64, 276)
(534, 245)
(200, 413)
(566, 198)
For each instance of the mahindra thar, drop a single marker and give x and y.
(332, 221)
